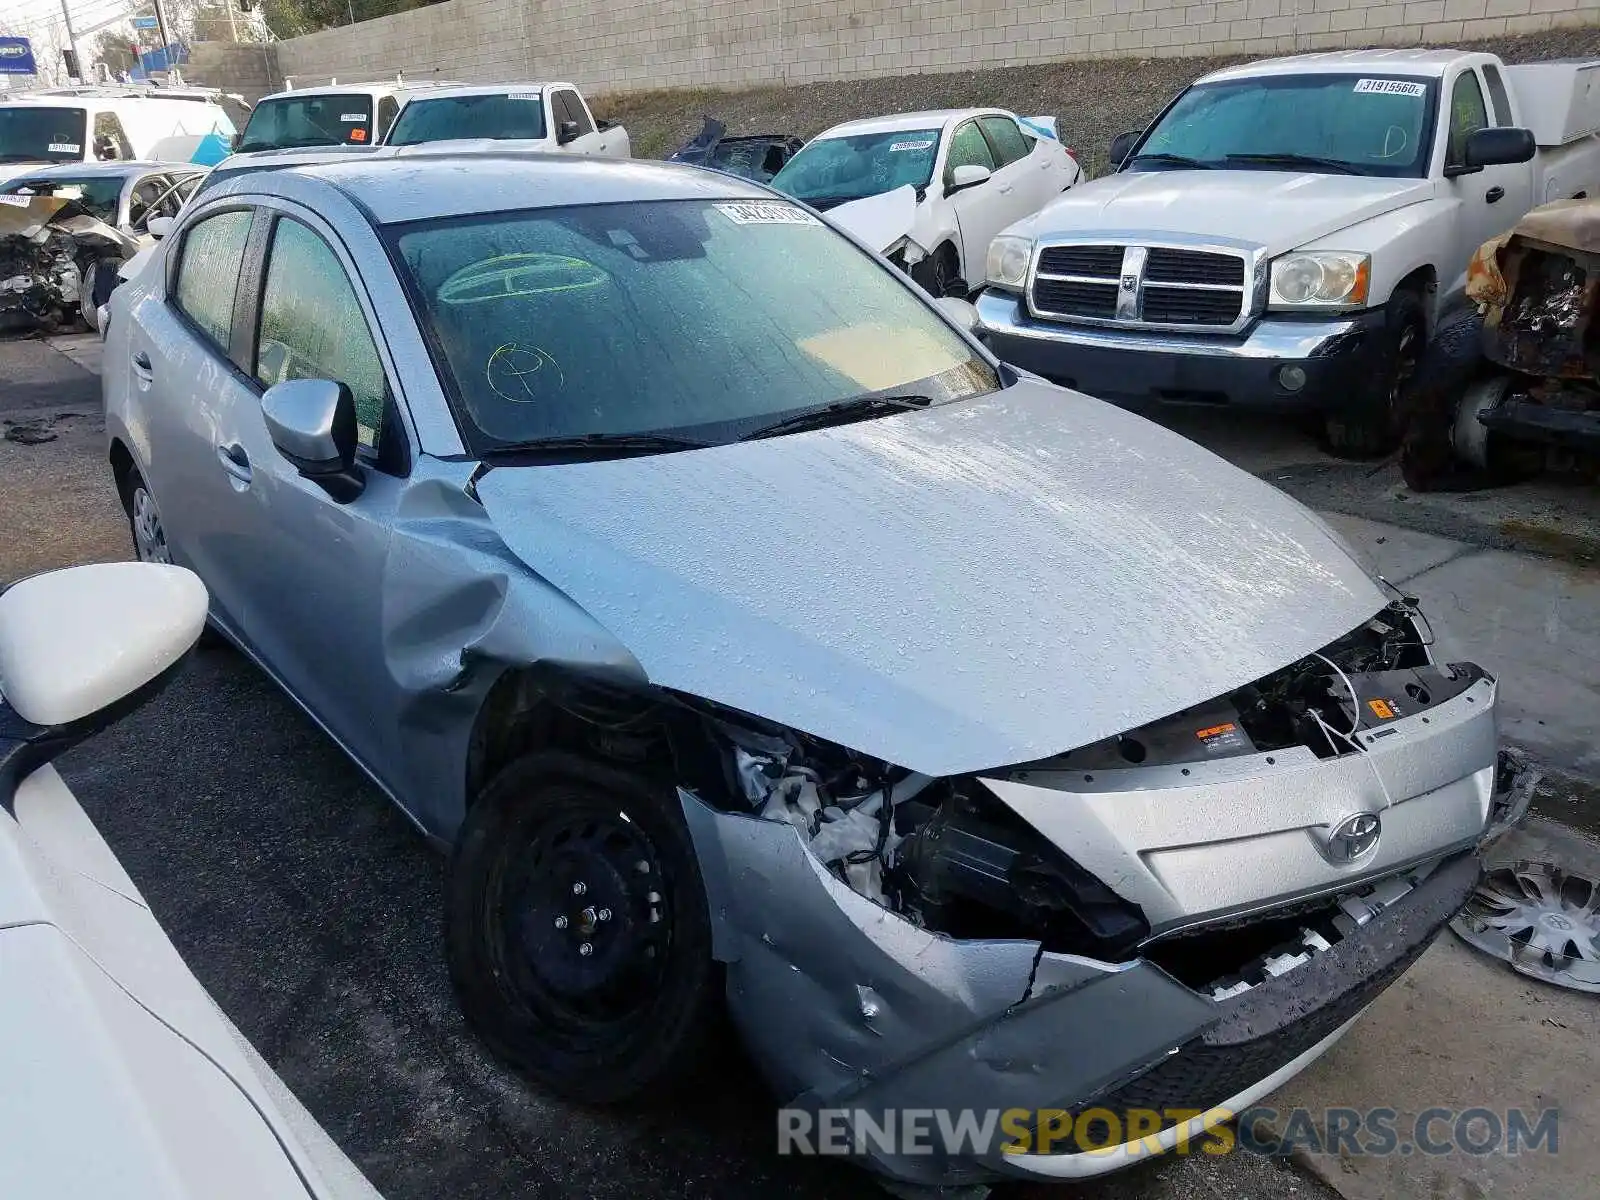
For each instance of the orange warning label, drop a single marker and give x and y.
(1215, 731)
(1381, 709)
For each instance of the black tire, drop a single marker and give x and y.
(149, 543)
(940, 273)
(632, 1016)
(1369, 424)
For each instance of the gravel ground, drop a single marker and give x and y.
(1095, 100)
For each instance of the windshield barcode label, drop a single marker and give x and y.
(1391, 87)
(765, 212)
(353, 117)
(16, 201)
(897, 147)
(65, 148)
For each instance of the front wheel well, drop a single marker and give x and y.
(122, 468)
(533, 709)
(1423, 283)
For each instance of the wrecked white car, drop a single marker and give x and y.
(755, 639)
(74, 266)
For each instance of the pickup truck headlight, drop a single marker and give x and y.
(1320, 279)
(1007, 266)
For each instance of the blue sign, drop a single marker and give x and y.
(16, 56)
(146, 23)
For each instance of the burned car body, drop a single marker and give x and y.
(757, 156)
(1017, 751)
(1538, 287)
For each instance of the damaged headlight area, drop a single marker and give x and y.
(943, 853)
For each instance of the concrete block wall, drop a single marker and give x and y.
(623, 45)
(249, 69)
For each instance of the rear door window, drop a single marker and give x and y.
(208, 273)
(1007, 140)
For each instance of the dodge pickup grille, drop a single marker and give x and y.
(1154, 286)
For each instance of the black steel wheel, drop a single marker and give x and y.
(577, 932)
(1368, 425)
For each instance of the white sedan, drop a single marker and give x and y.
(931, 189)
(121, 1076)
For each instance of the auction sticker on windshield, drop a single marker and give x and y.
(896, 147)
(16, 201)
(765, 212)
(1392, 87)
(65, 148)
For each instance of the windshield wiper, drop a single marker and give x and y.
(1312, 161)
(587, 445)
(1177, 160)
(839, 412)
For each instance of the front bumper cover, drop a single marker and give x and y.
(1137, 368)
(845, 1005)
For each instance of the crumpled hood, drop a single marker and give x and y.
(880, 221)
(1273, 209)
(951, 589)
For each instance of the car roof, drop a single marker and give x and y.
(425, 187)
(335, 89)
(89, 170)
(936, 118)
(1431, 63)
(294, 155)
(485, 89)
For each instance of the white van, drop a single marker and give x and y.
(335, 114)
(104, 123)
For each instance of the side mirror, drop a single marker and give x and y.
(1494, 147)
(83, 647)
(962, 312)
(158, 227)
(968, 175)
(312, 422)
(566, 132)
(233, 142)
(1122, 145)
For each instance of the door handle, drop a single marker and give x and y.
(1004, 189)
(235, 461)
(141, 367)
(1495, 193)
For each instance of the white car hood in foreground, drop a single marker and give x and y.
(952, 589)
(1273, 209)
(880, 221)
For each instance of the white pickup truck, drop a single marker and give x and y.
(1286, 234)
(521, 116)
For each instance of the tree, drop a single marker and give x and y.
(113, 48)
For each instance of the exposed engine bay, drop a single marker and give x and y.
(47, 247)
(952, 857)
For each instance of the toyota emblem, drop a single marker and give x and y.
(1354, 837)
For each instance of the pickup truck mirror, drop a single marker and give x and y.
(967, 175)
(1122, 145)
(566, 132)
(1492, 148)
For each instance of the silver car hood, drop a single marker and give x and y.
(950, 589)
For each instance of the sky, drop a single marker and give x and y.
(40, 20)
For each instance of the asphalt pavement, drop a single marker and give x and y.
(310, 908)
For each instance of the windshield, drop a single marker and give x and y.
(1360, 124)
(700, 319)
(319, 120)
(34, 133)
(98, 194)
(835, 170)
(510, 115)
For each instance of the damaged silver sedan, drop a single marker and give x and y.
(757, 642)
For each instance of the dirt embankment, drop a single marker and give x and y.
(1094, 101)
